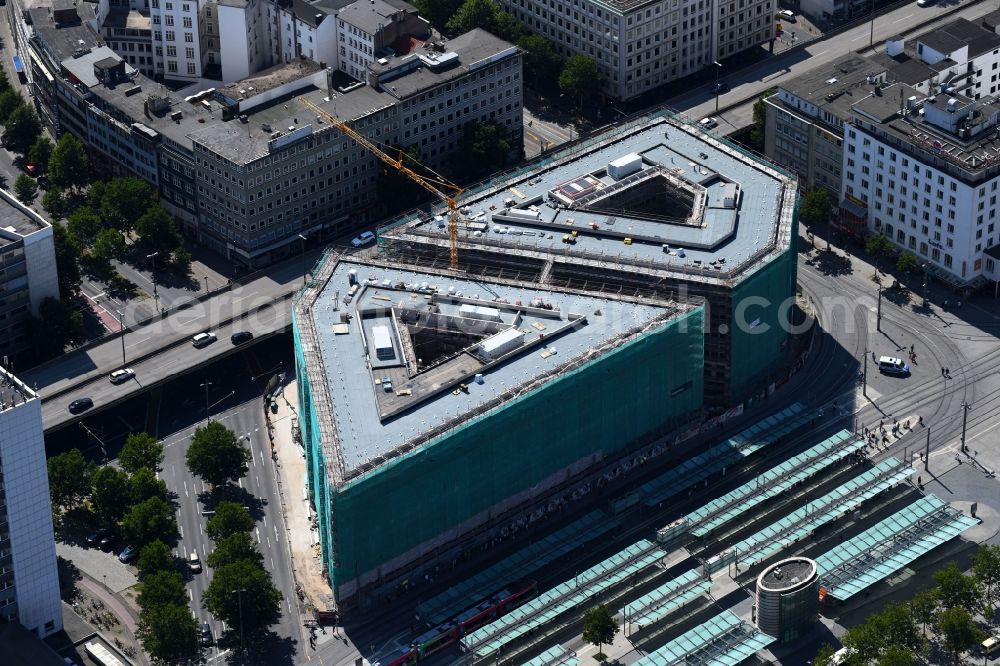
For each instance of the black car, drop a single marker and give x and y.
(206, 634)
(720, 88)
(239, 337)
(80, 405)
(95, 538)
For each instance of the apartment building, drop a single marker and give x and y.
(27, 272)
(806, 116)
(29, 582)
(639, 45)
(245, 168)
(924, 170)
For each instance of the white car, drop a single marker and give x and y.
(203, 339)
(365, 238)
(708, 123)
(122, 376)
(925, 3)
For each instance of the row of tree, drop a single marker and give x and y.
(897, 636)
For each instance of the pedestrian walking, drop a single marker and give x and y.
(911, 349)
(942, 371)
(873, 356)
(947, 372)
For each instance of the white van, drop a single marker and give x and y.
(892, 366)
(991, 645)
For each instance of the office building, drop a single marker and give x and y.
(29, 582)
(641, 45)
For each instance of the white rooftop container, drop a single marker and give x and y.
(624, 166)
(382, 341)
(501, 343)
(479, 312)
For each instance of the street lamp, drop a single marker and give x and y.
(878, 312)
(302, 254)
(206, 385)
(121, 322)
(206, 284)
(156, 297)
(924, 266)
(239, 600)
(718, 68)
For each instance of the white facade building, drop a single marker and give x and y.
(924, 171)
(640, 45)
(29, 581)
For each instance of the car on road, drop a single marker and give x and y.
(205, 635)
(194, 564)
(128, 554)
(96, 538)
(80, 405)
(708, 123)
(786, 15)
(364, 238)
(720, 88)
(925, 3)
(121, 376)
(239, 337)
(203, 339)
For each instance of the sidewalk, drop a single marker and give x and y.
(120, 609)
(303, 540)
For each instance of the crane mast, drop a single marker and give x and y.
(432, 185)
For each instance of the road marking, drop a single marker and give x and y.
(241, 483)
(265, 520)
(816, 55)
(272, 562)
(900, 20)
(181, 528)
(191, 595)
(257, 530)
(186, 494)
(275, 532)
(258, 480)
(200, 528)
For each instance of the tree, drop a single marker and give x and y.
(124, 200)
(599, 628)
(955, 589)
(959, 630)
(57, 325)
(109, 486)
(257, 602)
(83, 225)
(157, 231)
(897, 626)
(542, 62)
(68, 163)
(9, 100)
(160, 588)
(878, 246)
(54, 203)
(21, 129)
(487, 15)
(896, 655)
(986, 570)
(40, 152)
(150, 520)
(816, 208)
(906, 263)
(216, 455)
(181, 260)
(580, 78)
(69, 478)
(144, 485)
(482, 148)
(26, 188)
(141, 450)
(109, 244)
(233, 548)
(230, 518)
(66, 250)
(155, 556)
(759, 121)
(825, 656)
(168, 633)
(924, 606)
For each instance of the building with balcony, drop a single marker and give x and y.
(29, 582)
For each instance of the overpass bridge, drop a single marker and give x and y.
(160, 349)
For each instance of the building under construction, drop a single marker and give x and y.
(653, 207)
(601, 295)
(437, 411)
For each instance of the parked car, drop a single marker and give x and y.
(720, 88)
(203, 339)
(95, 538)
(708, 123)
(206, 634)
(364, 238)
(80, 405)
(122, 376)
(129, 553)
(239, 337)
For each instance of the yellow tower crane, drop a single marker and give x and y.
(434, 185)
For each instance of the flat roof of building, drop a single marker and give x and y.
(132, 19)
(787, 574)
(369, 16)
(406, 354)
(958, 33)
(695, 203)
(12, 391)
(16, 224)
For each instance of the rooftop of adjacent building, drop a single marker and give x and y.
(15, 224)
(958, 33)
(787, 574)
(131, 19)
(12, 391)
(725, 210)
(371, 15)
(406, 352)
